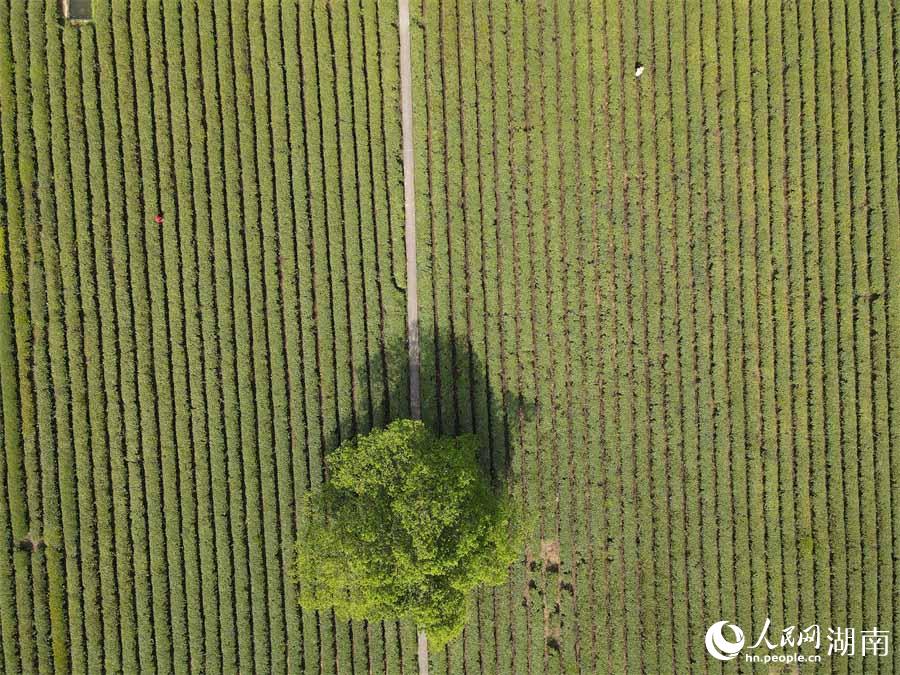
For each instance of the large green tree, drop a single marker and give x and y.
(406, 525)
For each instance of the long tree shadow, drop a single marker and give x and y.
(461, 392)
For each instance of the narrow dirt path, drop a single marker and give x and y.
(412, 292)
(412, 302)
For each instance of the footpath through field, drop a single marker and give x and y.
(409, 198)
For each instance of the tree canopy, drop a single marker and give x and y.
(406, 525)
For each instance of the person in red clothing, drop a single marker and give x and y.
(158, 219)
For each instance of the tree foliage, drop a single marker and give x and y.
(405, 527)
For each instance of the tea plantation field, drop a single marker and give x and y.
(689, 276)
(658, 276)
(169, 388)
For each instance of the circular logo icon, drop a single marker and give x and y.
(719, 646)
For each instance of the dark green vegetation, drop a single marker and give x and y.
(406, 526)
(694, 275)
(169, 389)
(690, 277)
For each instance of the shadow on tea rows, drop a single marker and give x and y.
(460, 393)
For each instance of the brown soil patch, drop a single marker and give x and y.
(30, 544)
(550, 554)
